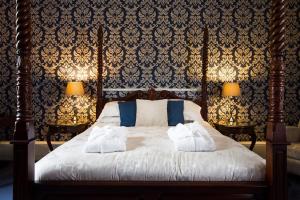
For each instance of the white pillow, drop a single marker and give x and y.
(115, 120)
(111, 109)
(151, 113)
(192, 111)
(111, 113)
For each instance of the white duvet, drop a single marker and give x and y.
(151, 156)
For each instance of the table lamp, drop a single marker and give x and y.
(75, 88)
(231, 90)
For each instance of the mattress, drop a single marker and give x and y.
(151, 156)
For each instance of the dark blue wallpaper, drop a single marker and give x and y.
(149, 43)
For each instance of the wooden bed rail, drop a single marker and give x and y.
(276, 136)
(24, 137)
(100, 101)
(204, 103)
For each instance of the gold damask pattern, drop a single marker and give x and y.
(149, 43)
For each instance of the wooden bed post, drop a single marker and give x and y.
(24, 137)
(100, 103)
(204, 109)
(276, 136)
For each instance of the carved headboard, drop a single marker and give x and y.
(153, 94)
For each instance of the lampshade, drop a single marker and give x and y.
(231, 90)
(75, 89)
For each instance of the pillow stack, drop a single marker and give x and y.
(150, 113)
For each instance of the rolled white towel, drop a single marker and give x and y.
(106, 139)
(195, 144)
(178, 132)
(108, 132)
(191, 137)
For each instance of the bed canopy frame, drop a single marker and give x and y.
(25, 188)
(153, 94)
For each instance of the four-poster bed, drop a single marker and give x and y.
(25, 187)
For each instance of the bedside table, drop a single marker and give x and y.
(238, 129)
(64, 127)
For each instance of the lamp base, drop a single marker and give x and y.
(74, 119)
(231, 121)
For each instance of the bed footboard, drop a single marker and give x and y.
(151, 190)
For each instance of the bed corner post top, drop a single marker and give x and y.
(24, 137)
(276, 162)
(100, 101)
(204, 99)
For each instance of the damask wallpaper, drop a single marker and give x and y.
(149, 43)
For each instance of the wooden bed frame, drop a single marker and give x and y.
(152, 94)
(273, 188)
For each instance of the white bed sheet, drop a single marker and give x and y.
(151, 156)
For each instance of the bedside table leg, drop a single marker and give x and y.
(49, 141)
(253, 141)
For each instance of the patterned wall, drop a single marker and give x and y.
(149, 43)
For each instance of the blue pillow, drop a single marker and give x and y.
(175, 113)
(127, 113)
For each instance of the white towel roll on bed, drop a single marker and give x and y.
(106, 139)
(191, 137)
